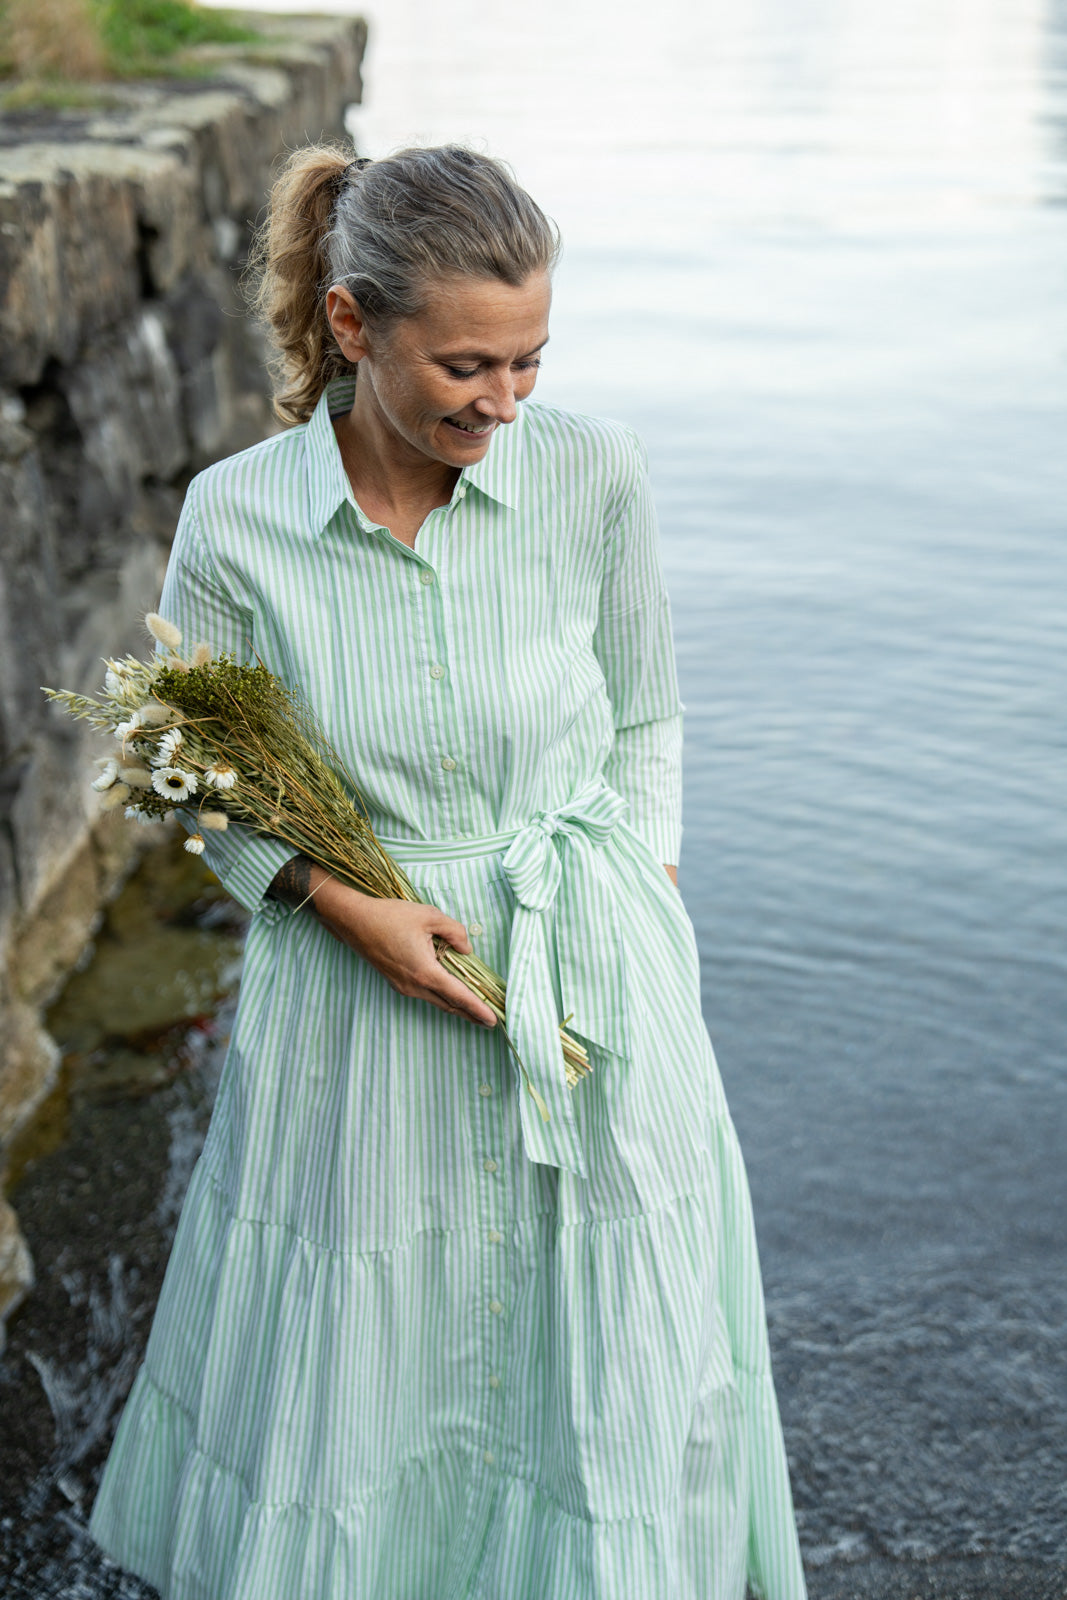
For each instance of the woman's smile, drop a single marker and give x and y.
(469, 427)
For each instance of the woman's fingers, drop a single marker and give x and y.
(446, 991)
(447, 928)
(397, 937)
(443, 988)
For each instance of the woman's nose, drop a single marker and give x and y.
(498, 401)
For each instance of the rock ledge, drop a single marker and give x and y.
(126, 365)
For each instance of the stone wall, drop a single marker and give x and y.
(126, 365)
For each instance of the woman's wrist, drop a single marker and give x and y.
(292, 883)
(305, 886)
(300, 882)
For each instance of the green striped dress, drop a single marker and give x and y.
(416, 1343)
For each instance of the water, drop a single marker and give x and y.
(814, 254)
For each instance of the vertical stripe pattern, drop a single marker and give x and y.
(394, 1357)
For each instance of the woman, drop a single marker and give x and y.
(416, 1341)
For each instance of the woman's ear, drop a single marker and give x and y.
(347, 323)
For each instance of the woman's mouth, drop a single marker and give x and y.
(476, 430)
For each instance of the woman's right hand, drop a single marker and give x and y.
(397, 938)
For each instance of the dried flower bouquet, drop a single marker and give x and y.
(234, 744)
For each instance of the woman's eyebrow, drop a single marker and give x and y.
(484, 355)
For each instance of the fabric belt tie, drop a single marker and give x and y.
(554, 866)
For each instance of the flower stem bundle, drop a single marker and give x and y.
(233, 744)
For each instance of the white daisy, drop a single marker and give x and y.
(195, 844)
(107, 776)
(220, 775)
(174, 784)
(167, 748)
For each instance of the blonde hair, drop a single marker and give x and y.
(385, 230)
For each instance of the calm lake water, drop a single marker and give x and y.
(815, 254)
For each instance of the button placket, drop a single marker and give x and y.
(443, 735)
(446, 735)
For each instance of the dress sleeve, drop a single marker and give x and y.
(635, 648)
(195, 599)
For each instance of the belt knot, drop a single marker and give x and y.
(588, 957)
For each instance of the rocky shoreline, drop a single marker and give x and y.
(125, 367)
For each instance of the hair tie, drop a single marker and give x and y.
(343, 174)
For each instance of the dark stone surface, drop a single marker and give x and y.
(126, 365)
(99, 1196)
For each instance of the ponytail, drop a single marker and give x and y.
(290, 272)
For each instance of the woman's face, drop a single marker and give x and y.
(443, 381)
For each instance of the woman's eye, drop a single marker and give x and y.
(472, 372)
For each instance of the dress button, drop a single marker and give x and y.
(425, 577)
(485, 1090)
(495, 1307)
(489, 1166)
(474, 929)
(494, 1237)
(437, 670)
(494, 1381)
(448, 764)
(489, 1458)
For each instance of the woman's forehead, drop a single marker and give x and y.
(472, 312)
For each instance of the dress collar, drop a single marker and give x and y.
(498, 474)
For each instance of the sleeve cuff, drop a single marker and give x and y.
(249, 875)
(645, 767)
(246, 865)
(663, 835)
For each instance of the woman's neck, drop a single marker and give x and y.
(392, 481)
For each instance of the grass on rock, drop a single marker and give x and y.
(52, 50)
